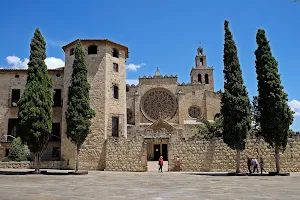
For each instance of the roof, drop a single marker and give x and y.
(98, 40)
(13, 70)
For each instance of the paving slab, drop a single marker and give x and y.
(149, 186)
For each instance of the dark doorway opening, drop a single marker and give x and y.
(156, 152)
(160, 150)
(165, 151)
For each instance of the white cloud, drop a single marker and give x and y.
(132, 81)
(17, 63)
(133, 67)
(295, 106)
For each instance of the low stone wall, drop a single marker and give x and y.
(215, 155)
(126, 155)
(29, 165)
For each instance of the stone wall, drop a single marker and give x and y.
(30, 165)
(215, 155)
(126, 155)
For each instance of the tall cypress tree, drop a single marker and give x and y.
(275, 116)
(79, 113)
(235, 103)
(35, 106)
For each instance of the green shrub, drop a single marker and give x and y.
(17, 151)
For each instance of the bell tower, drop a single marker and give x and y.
(202, 73)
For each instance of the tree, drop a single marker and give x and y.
(211, 129)
(275, 115)
(17, 151)
(35, 106)
(235, 103)
(79, 113)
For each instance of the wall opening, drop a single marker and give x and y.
(115, 53)
(206, 79)
(15, 96)
(57, 97)
(115, 92)
(115, 127)
(72, 50)
(92, 49)
(199, 78)
(116, 67)
(12, 129)
(201, 62)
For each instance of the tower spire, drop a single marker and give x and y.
(157, 73)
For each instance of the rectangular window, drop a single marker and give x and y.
(115, 92)
(55, 152)
(115, 126)
(55, 135)
(57, 97)
(15, 96)
(116, 67)
(12, 129)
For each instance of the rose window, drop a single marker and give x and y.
(194, 112)
(159, 103)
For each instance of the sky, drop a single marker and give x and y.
(163, 34)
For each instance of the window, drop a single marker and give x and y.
(71, 51)
(92, 49)
(199, 78)
(116, 67)
(115, 92)
(12, 129)
(57, 75)
(57, 97)
(115, 126)
(15, 97)
(115, 53)
(201, 62)
(206, 79)
(55, 135)
(55, 152)
(6, 152)
(17, 76)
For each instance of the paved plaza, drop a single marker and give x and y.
(147, 185)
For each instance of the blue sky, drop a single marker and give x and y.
(162, 34)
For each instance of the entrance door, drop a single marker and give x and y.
(165, 151)
(156, 153)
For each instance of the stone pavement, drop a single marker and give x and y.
(148, 185)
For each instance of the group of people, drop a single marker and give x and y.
(253, 162)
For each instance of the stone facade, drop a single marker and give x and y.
(133, 123)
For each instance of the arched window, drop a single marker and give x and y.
(92, 49)
(199, 78)
(206, 79)
(201, 62)
(115, 53)
(72, 51)
(115, 92)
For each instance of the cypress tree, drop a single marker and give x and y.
(235, 103)
(79, 113)
(35, 106)
(275, 116)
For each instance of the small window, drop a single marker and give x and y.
(116, 67)
(206, 79)
(55, 135)
(115, 53)
(55, 152)
(57, 75)
(72, 51)
(115, 92)
(92, 49)
(199, 78)
(6, 152)
(115, 126)
(201, 62)
(57, 97)
(17, 76)
(12, 129)
(15, 97)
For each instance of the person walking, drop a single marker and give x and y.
(262, 165)
(249, 165)
(255, 165)
(160, 163)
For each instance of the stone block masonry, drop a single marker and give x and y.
(126, 155)
(216, 156)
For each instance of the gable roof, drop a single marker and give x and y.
(160, 124)
(106, 41)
